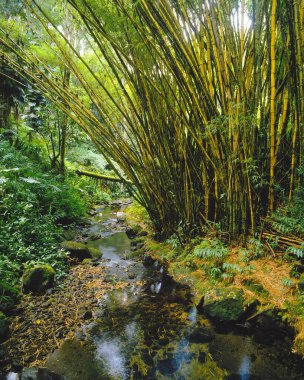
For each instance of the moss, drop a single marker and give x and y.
(38, 278)
(76, 249)
(86, 261)
(96, 253)
(70, 245)
(224, 304)
(136, 214)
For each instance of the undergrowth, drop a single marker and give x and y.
(34, 203)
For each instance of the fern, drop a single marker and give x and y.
(288, 282)
(298, 252)
(211, 249)
(258, 248)
(232, 268)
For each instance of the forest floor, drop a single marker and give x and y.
(45, 321)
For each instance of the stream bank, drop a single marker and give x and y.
(135, 322)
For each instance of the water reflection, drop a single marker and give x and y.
(155, 288)
(192, 314)
(110, 354)
(245, 368)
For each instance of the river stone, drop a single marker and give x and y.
(224, 304)
(148, 260)
(121, 216)
(134, 231)
(76, 249)
(38, 278)
(96, 253)
(4, 326)
(36, 373)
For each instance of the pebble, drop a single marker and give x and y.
(87, 315)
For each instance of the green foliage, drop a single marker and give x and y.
(211, 249)
(297, 252)
(257, 248)
(33, 204)
(289, 219)
(288, 282)
(214, 257)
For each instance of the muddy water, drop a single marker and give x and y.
(148, 328)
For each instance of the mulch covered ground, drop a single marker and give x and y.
(44, 321)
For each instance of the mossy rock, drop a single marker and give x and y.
(134, 231)
(76, 249)
(95, 253)
(38, 278)
(224, 304)
(86, 261)
(4, 326)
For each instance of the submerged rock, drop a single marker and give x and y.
(36, 373)
(38, 278)
(76, 249)
(4, 326)
(201, 335)
(168, 366)
(224, 304)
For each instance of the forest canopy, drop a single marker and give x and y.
(198, 103)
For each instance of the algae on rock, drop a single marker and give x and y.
(38, 278)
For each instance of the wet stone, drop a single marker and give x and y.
(87, 314)
(202, 357)
(163, 341)
(39, 374)
(147, 359)
(168, 366)
(148, 260)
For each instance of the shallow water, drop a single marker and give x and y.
(149, 328)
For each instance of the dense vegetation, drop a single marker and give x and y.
(194, 107)
(199, 103)
(35, 203)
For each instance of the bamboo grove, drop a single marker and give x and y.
(205, 111)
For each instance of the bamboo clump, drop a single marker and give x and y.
(202, 113)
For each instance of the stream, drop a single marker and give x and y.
(149, 328)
